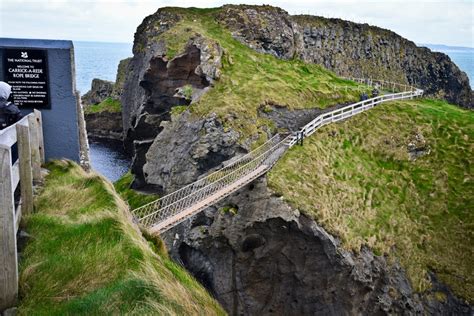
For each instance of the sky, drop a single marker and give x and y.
(447, 22)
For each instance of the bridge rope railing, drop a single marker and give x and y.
(182, 200)
(173, 203)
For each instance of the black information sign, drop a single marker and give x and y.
(26, 70)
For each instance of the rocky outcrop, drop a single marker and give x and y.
(253, 251)
(103, 89)
(257, 255)
(156, 84)
(186, 149)
(100, 90)
(105, 125)
(349, 49)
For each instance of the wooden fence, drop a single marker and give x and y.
(22, 173)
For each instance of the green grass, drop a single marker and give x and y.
(133, 198)
(356, 179)
(108, 105)
(86, 257)
(250, 79)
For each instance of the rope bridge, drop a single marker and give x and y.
(170, 210)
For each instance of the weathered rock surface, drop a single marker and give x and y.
(100, 90)
(155, 85)
(104, 125)
(349, 49)
(186, 149)
(269, 259)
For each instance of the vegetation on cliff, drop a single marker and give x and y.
(133, 198)
(86, 257)
(108, 105)
(250, 79)
(398, 179)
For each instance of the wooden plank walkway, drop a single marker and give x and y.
(196, 208)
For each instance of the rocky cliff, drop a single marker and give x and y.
(349, 49)
(102, 109)
(195, 98)
(258, 255)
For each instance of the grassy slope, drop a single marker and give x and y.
(250, 79)
(133, 198)
(85, 256)
(356, 180)
(108, 105)
(359, 184)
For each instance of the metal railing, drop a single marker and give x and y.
(171, 209)
(183, 199)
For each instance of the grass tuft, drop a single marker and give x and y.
(108, 105)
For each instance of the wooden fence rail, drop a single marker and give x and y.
(20, 167)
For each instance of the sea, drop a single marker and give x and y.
(100, 60)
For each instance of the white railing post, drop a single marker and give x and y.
(8, 255)
(39, 128)
(25, 156)
(34, 147)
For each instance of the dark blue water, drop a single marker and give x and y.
(108, 158)
(100, 60)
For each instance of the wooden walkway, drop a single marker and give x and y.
(201, 205)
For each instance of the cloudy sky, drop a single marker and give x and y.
(438, 22)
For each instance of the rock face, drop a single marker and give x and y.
(266, 258)
(155, 85)
(349, 49)
(100, 90)
(186, 149)
(104, 125)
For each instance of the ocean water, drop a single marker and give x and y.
(98, 60)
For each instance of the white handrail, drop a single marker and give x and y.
(167, 208)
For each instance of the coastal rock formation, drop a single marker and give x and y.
(156, 81)
(100, 90)
(349, 49)
(104, 123)
(156, 84)
(257, 255)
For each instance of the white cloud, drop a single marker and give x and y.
(440, 22)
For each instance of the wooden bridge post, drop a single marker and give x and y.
(34, 147)
(8, 255)
(39, 126)
(25, 154)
